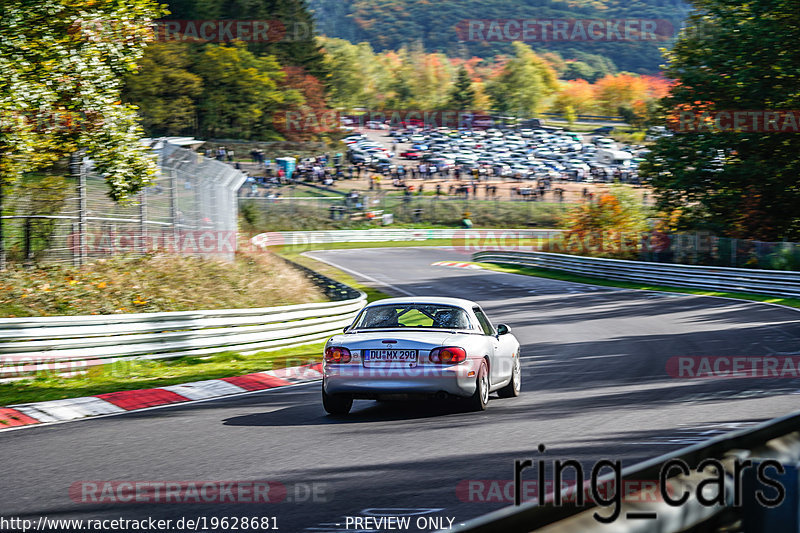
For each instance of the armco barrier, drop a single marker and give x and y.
(72, 343)
(769, 282)
(777, 440)
(299, 238)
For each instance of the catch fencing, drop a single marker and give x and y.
(286, 213)
(66, 216)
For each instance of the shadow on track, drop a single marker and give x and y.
(364, 411)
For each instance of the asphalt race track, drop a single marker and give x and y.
(595, 386)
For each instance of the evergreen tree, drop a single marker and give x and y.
(294, 43)
(462, 97)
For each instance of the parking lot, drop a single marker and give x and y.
(499, 163)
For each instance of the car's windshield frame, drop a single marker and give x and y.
(419, 307)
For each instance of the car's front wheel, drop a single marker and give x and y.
(478, 401)
(336, 404)
(512, 389)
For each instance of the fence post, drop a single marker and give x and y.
(27, 245)
(2, 242)
(79, 172)
(173, 206)
(143, 220)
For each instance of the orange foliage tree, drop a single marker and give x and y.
(610, 226)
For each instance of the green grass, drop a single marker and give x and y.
(564, 276)
(144, 374)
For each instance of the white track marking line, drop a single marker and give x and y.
(359, 274)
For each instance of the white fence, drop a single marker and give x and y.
(770, 282)
(72, 343)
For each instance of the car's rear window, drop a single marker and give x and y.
(414, 315)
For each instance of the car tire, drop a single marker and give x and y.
(337, 405)
(478, 401)
(512, 389)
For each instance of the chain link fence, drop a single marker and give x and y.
(371, 207)
(66, 216)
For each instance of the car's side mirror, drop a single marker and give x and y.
(502, 329)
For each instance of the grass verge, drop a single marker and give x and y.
(565, 276)
(151, 284)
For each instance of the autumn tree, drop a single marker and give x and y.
(576, 94)
(609, 226)
(61, 68)
(345, 79)
(733, 56)
(165, 90)
(307, 104)
(61, 65)
(240, 92)
(523, 84)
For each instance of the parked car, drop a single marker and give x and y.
(420, 347)
(603, 130)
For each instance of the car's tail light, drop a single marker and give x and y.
(449, 355)
(337, 354)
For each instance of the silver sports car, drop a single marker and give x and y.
(434, 347)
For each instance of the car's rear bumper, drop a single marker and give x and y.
(456, 380)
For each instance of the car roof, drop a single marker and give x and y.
(457, 302)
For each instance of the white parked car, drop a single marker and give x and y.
(428, 347)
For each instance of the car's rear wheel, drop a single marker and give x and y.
(512, 389)
(336, 404)
(478, 401)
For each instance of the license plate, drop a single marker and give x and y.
(403, 356)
